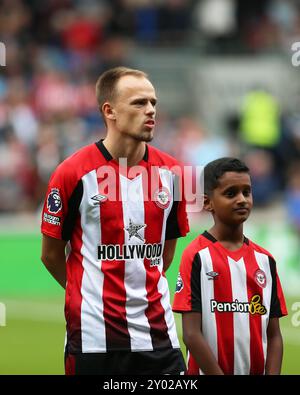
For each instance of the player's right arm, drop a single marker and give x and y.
(197, 345)
(54, 258)
(58, 218)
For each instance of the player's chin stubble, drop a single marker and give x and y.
(145, 137)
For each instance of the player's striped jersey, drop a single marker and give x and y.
(236, 292)
(117, 295)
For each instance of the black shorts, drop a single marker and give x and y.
(167, 361)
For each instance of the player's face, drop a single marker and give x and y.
(231, 202)
(134, 108)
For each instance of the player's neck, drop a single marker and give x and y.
(231, 238)
(133, 151)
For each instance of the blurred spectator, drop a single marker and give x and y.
(53, 94)
(48, 153)
(260, 120)
(122, 19)
(253, 26)
(216, 18)
(189, 137)
(174, 20)
(283, 13)
(80, 31)
(147, 21)
(21, 116)
(265, 182)
(115, 51)
(16, 175)
(261, 128)
(292, 196)
(195, 146)
(291, 148)
(15, 19)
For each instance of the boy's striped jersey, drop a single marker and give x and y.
(236, 292)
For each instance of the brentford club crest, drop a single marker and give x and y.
(260, 278)
(162, 198)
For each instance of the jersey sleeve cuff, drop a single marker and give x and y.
(51, 234)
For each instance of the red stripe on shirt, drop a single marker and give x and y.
(114, 293)
(257, 362)
(192, 367)
(224, 321)
(155, 312)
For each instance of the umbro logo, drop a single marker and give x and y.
(98, 198)
(212, 275)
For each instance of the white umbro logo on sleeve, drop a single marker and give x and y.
(99, 198)
(212, 275)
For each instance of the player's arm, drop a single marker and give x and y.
(168, 253)
(177, 225)
(54, 258)
(197, 345)
(274, 347)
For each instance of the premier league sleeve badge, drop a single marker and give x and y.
(54, 203)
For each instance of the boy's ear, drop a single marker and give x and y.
(207, 204)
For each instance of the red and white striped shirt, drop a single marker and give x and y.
(237, 292)
(117, 295)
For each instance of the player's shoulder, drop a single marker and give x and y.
(79, 156)
(258, 248)
(195, 246)
(80, 162)
(161, 158)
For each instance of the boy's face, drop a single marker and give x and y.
(231, 202)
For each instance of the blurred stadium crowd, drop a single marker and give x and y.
(56, 49)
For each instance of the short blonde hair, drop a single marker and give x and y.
(106, 83)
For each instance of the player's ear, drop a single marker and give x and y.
(207, 203)
(108, 111)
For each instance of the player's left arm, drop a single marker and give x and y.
(177, 225)
(274, 347)
(168, 253)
